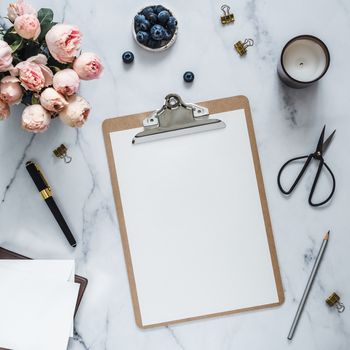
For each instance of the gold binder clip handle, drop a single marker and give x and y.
(334, 300)
(228, 17)
(61, 152)
(241, 47)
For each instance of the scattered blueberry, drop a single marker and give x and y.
(172, 23)
(188, 77)
(128, 57)
(142, 37)
(145, 25)
(139, 18)
(163, 17)
(157, 32)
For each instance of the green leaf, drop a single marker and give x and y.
(27, 97)
(11, 36)
(45, 17)
(44, 29)
(30, 48)
(52, 62)
(16, 45)
(55, 69)
(35, 100)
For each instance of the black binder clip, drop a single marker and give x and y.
(228, 17)
(241, 48)
(61, 152)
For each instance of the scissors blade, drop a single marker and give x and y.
(327, 142)
(320, 141)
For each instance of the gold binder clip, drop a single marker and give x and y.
(61, 152)
(334, 300)
(241, 48)
(228, 17)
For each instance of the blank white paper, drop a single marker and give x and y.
(35, 313)
(44, 270)
(194, 222)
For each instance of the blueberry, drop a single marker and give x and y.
(152, 17)
(139, 18)
(128, 57)
(145, 25)
(158, 9)
(157, 32)
(168, 35)
(163, 17)
(147, 10)
(172, 23)
(142, 37)
(188, 77)
(153, 44)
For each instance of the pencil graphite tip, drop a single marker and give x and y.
(326, 237)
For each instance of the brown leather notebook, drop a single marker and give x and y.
(7, 254)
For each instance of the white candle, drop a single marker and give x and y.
(304, 60)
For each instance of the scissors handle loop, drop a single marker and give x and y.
(320, 166)
(302, 171)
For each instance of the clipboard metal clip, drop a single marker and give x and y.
(176, 118)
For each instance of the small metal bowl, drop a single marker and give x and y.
(159, 49)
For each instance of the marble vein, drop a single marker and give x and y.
(78, 338)
(176, 338)
(18, 166)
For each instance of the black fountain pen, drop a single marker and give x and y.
(45, 191)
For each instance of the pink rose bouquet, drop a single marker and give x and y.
(41, 66)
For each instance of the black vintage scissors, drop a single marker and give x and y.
(317, 155)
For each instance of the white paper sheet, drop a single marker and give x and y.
(36, 312)
(58, 270)
(194, 222)
(44, 270)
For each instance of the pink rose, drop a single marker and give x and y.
(5, 56)
(33, 73)
(4, 110)
(18, 9)
(88, 66)
(53, 101)
(63, 42)
(35, 118)
(10, 90)
(76, 113)
(27, 26)
(66, 82)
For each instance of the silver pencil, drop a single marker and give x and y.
(308, 286)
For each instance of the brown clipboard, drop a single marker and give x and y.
(135, 121)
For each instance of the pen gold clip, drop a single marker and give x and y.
(46, 192)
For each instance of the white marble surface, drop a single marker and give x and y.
(287, 123)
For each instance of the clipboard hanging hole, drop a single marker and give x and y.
(173, 102)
